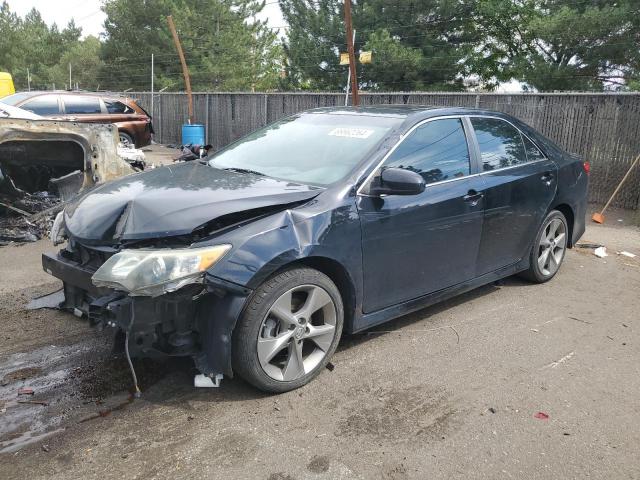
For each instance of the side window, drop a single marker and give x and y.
(114, 106)
(500, 143)
(75, 105)
(43, 105)
(533, 152)
(436, 150)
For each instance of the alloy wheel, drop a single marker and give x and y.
(297, 332)
(553, 243)
(125, 140)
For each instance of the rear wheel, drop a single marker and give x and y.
(126, 140)
(289, 330)
(548, 249)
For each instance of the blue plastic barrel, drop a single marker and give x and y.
(193, 134)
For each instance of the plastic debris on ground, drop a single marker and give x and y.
(541, 416)
(601, 252)
(627, 254)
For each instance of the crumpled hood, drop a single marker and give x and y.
(173, 200)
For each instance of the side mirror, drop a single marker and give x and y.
(397, 181)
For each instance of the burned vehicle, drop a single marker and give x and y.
(254, 260)
(44, 163)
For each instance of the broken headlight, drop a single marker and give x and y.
(154, 272)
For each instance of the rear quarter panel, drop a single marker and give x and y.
(573, 181)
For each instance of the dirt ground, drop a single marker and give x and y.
(459, 390)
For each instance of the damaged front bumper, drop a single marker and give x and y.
(196, 320)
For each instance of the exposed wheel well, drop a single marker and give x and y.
(338, 275)
(567, 211)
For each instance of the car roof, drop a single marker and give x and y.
(409, 112)
(36, 93)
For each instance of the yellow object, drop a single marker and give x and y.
(6, 84)
(344, 59)
(365, 57)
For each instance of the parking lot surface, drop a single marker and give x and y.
(512, 380)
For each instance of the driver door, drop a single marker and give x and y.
(417, 244)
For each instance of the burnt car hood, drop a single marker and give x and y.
(174, 200)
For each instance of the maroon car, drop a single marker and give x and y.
(133, 122)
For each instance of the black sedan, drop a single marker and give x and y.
(255, 260)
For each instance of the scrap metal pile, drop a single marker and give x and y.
(46, 163)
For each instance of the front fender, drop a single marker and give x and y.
(271, 243)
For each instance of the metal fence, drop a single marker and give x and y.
(603, 128)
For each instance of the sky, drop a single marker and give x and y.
(88, 15)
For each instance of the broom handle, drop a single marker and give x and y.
(620, 184)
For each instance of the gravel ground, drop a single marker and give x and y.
(453, 391)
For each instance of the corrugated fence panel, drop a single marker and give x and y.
(603, 128)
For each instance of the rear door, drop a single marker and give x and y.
(520, 184)
(416, 244)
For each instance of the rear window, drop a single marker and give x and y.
(81, 105)
(114, 106)
(43, 105)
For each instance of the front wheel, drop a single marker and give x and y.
(548, 249)
(289, 330)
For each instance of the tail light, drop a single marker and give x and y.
(587, 167)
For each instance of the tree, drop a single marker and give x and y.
(30, 43)
(9, 45)
(225, 48)
(84, 58)
(416, 44)
(559, 44)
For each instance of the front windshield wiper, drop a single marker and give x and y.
(243, 170)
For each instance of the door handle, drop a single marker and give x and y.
(472, 197)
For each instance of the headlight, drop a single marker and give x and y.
(154, 272)
(58, 232)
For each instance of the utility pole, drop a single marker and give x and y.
(185, 70)
(352, 58)
(70, 87)
(28, 80)
(346, 95)
(152, 84)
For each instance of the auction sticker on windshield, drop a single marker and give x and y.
(351, 132)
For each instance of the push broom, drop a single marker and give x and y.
(599, 217)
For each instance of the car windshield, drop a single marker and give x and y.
(316, 149)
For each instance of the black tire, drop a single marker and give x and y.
(245, 335)
(126, 139)
(535, 274)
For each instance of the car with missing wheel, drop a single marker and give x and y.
(133, 122)
(255, 260)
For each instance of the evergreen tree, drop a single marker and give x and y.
(416, 44)
(560, 44)
(225, 48)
